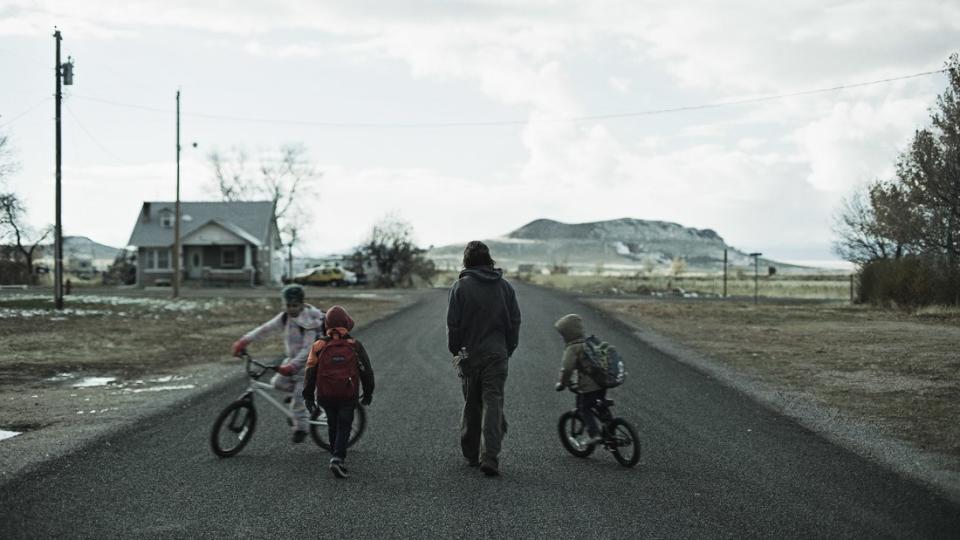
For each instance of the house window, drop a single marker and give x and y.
(230, 257)
(157, 259)
(166, 220)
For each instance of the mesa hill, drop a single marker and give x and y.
(626, 244)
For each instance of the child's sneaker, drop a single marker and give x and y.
(588, 440)
(337, 468)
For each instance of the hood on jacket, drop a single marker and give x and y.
(570, 327)
(483, 273)
(310, 318)
(337, 317)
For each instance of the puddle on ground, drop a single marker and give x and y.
(4, 434)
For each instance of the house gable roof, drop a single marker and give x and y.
(226, 225)
(251, 220)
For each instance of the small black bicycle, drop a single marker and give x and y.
(234, 426)
(619, 436)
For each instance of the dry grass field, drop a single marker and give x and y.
(898, 371)
(107, 356)
(826, 286)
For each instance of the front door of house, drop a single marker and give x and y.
(194, 262)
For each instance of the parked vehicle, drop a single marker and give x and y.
(326, 275)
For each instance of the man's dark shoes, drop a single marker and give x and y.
(489, 469)
(337, 468)
(299, 436)
(472, 462)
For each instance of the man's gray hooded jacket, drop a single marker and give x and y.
(483, 314)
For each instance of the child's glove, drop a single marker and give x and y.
(287, 369)
(239, 345)
(559, 387)
(366, 399)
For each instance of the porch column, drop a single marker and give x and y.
(247, 262)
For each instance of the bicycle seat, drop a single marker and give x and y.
(604, 403)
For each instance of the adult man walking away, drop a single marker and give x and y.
(483, 330)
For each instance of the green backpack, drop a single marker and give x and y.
(603, 363)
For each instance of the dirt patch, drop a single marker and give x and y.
(894, 370)
(107, 359)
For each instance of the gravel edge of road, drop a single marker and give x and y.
(39, 453)
(850, 433)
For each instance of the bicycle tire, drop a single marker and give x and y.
(570, 427)
(623, 436)
(237, 421)
(319, 433)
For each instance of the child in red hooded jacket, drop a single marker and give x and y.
(335, 363)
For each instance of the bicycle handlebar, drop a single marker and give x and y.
(255, 374)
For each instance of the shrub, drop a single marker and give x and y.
(910, 281)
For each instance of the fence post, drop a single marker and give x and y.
(851, 289)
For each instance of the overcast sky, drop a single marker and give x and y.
(469, 119)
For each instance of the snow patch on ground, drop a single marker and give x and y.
(153, 304)
(88, 382)
(7, 313)
(162, 388)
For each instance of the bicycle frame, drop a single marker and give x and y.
(254, 386)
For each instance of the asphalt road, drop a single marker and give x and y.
(715, 464)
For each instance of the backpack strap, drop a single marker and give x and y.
(285, 317)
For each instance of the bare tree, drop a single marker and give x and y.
(859, 235)
(285, 177)
(918, 212)
(8, 165)
(12, 224)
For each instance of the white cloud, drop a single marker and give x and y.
(858, 142)
(620, 84)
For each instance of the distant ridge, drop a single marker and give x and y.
(625, 244)
(628, 229)
(81, 246)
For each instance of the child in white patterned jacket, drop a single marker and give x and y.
(302, 324)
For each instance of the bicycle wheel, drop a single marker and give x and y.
(319, 431)
(571, 429)
(623, 442)
(233, 428)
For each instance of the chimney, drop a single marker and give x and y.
(145, 217)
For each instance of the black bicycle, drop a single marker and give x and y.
(618, 435)
(235, 424)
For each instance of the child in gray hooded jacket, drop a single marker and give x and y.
(588, 391)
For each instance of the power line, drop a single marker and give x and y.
(494, 123)
(25, 112)
(94, 139)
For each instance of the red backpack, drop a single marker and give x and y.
(338, 370)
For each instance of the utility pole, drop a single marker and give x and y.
(176, 223)
(724, 272)
(65, 70)
(756, 273)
